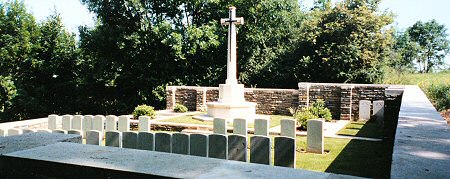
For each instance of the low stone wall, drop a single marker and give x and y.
(341, 99)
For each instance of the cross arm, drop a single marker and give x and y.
(237, 21)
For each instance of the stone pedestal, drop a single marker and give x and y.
(231, 104)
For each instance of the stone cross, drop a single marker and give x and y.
(232, 21)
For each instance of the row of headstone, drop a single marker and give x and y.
(365, 110)
(98, 122)
(240, 126)
(16, 131)
(231, 147)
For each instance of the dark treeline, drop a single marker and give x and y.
(137, 48)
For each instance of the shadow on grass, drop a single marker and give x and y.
(368, 158)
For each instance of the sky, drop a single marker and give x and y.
(74, 14)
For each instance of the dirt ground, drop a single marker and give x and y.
(446, 115)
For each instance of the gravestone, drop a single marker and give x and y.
(146, 141)
(364, 109)
(87, 122)
(284, 152)
(262, 127)
(288, 128)
(260, 151)
(240, 126)
(77, 132)
(67, 122)
(144, 124)
(315, 136)
(113, 138)
(52, 121)
(24, 131)
(94, 137)
(378, 110)
(44, 130)
(3, 133)
(129, 140)
(124, 123)
(59, 131)
(98, 123)
(218, 146)
(198, 145)
(220, 126)
(77, 122)
(180, 143)
(237, 148)
(163, 142)
(111, 123)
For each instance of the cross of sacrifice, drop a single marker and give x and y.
(232, 21)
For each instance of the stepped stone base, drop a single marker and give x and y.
(230, 111)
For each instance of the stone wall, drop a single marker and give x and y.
(341, 99)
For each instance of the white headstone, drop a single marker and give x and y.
(59, 131)
(113, 138)
(12, 132)
(240, 127)
(24, 131)
(94, 137)
(87, 122)
(284, 152)
(364, 109)
(262, 127)
(124, 123)
(98, 123)
(77, 122)
(52, 121)
(378, 110)
(44, 130)
(288, 128)
(111, 123)
(67, 122)
(315, 136)
(3, 132)
(220, 126)
(144, 124)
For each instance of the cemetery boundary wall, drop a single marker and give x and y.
(341, 99)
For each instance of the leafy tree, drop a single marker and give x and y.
(347, 42)
(405, 53)
(434, 45)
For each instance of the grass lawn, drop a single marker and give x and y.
(362, 129)
(274, 120)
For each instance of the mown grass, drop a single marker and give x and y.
(423, 80)
(362, 129)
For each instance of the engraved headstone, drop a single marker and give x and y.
(52, 121)
(129, 140)
(220, 126)
(315, 136)
(77, 122)
(260, 151)
(218, 146)
(144, 124)
(288, 128)
(262, 127)
(364, 109)
(94, 137)
(198, 145)
(124, 123)
(284, 152)
(240, 126)
(111, 123)
(14, 131)
(113, 138)
(146, 141)
(3, 132)
(67, 122)
(237, 148)
(77, 132)
(87, 122)
(180, 143)
(98, 123)
(378, 110)
(163, 142)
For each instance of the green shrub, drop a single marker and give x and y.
(439, 95)
(180, 108)
(144, 110)
(315, 111)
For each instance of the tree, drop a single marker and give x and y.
(405, 52)
(347, 42)
(434, 45)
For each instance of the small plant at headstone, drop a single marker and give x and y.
(315, 111)
(144, 110)
(180, 108)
